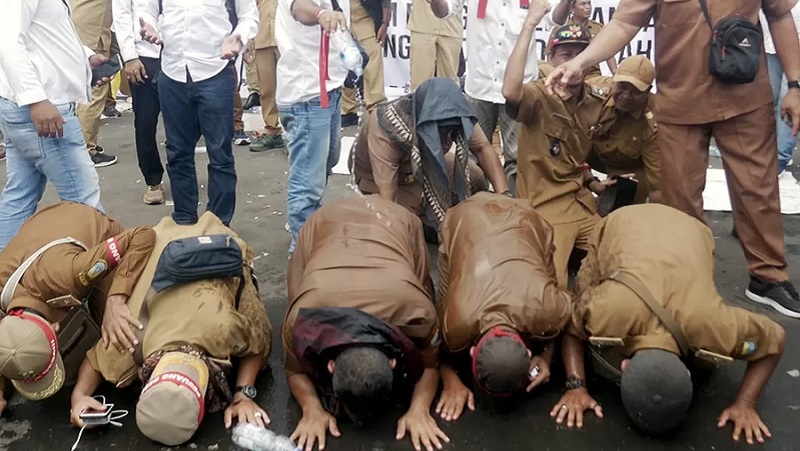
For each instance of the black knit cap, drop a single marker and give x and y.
(656, 390)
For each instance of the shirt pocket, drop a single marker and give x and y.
(514, 18)
(671, 13)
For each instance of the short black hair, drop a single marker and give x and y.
(362, 382)
(501, 365)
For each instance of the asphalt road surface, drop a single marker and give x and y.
(260, 217)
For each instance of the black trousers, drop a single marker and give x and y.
(146, 109)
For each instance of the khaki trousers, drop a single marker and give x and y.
(433, 55)
(251, 78)
(89, 115)
(567, 236)
(374, 92)
(238, 107)
(266, 64)
(748, 146)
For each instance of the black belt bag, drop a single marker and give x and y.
(201, 257)
(735, 49)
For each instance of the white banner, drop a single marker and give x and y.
(398, 41)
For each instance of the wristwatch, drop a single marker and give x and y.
(247, 390)
(793, 84)
(574, 382)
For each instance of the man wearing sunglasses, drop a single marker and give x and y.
(487, 241)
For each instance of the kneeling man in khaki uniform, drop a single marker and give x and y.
(191, 332)
(498, 298)
(648, 305)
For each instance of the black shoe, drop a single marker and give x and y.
(781, 296)
(99, 149)
(253, 100)
(734, 233)
(349, 119)
(102, 160)
(111, 112)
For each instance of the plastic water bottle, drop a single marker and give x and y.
(256, 438)
(342, 41)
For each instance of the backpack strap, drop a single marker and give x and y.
(704, 7)
(663, 315)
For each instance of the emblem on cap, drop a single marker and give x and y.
(748, 347)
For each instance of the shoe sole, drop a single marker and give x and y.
(241, 142)
(153, 202)
(105, 164)
(267, 149)
(769, 302)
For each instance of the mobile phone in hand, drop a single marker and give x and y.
(106, 70)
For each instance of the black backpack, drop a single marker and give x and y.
(735, 49)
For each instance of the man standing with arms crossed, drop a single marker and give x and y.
(739, 116)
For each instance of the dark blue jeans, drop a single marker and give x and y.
(190, 110)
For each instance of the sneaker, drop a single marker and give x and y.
(240, 138)
(265, 142)
(349, 119)
(110, 112)
(781, 296)
(154, 195)
(286, 228)
(782, 167)
(99, 149)
(2, 153)
(101, 160)
(253, 100)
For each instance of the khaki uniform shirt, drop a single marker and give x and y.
(681, 49)
(379, 165)
(626, 143)
(365, 253)
(66, 269)
(672, 255)
(266, 24)
(496, 269)
(422, 20)
(92, 19)
(553, 144)
(200, 313)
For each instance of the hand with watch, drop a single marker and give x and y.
(245, 409)
(790, 106)
(575, 401)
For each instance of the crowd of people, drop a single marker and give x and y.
(536, 254)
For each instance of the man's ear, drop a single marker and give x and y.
(624, 364)
(55, 327)
(472, 352)
(392, 363)
(530, 354)
(331, 366)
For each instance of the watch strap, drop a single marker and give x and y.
(794, 84)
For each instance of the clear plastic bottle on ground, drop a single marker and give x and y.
(342, 41)
(255, 438)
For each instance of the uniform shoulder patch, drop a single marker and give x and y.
(599, 91)
(98, 269)
(747, 348)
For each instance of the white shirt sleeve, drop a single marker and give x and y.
(247, 13)
(122, 11)
(148, 10)
(14, 59)
(453, 7)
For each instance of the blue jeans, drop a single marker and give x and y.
(777, 80)
(313, 137)
(32, 160)
(190, 110)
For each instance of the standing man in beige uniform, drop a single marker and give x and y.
(93, 19)
(266, 65)
(369, 20)
(361, 327)
(488, 241)
(435, 44)
(193, 333)
(740, 117)
(646, 291)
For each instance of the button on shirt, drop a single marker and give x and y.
(299, 45)
(126, 22)
(490, 41)
(193, 31)
(41, 56)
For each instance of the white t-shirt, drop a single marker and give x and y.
(769, 46)
(299, 45)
